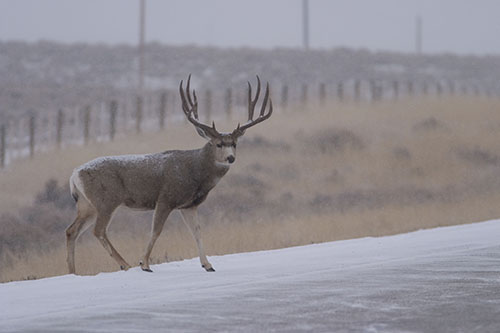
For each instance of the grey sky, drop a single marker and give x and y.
(459, 26)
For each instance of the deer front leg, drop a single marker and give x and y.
(101, 225)
(159, 218)
(190, 218)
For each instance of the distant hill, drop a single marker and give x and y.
(49, 75)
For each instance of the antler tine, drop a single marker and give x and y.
(195, 110)
(251, 103)
(270, 108)
(258, 89)
(183, 99)
(266, 97)
(188, 91)
(250, 111)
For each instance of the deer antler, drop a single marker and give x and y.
(240, 130)
(190, 108)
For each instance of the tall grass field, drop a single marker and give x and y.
(304, 176)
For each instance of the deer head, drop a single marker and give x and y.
(224, 144)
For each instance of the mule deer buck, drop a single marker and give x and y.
(174, 179)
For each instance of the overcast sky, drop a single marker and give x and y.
(458, 26)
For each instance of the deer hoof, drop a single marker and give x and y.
(210, 269)
(144, 267)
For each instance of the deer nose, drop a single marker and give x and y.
(230, 158)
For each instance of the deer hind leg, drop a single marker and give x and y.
(100, 228)
(190, 218)
(85, 217)
(159, 218)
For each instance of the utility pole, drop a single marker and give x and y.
(142, 33)
(418, 35)
(305, 24)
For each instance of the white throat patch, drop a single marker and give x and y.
(224, 164)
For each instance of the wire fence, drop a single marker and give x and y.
(155, 111)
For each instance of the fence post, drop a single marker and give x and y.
(3, 147)
(373, 90)
(376, 90)
(322, 93)
(474, 90)
(138, 113)
(439, 89)
(340, 91)
(357, 90)
(284, 96)
(425, 88)
(464, 91)
(32, 135)
(451, 87)
(395, 88)
(59, 127)
(410, 87)
(303, 97)
(163, 108)
(208, 104)
(113, 109)
(229, 102)
(86, 124)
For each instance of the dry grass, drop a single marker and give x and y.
(305, 176)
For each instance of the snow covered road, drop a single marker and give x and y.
(438, 280)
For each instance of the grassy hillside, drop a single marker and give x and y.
(305, 176)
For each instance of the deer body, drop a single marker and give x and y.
(179, 179)
(175, 179)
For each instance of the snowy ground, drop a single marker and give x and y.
(439, 280)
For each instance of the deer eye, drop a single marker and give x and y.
(219, 145)
(233, 145)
